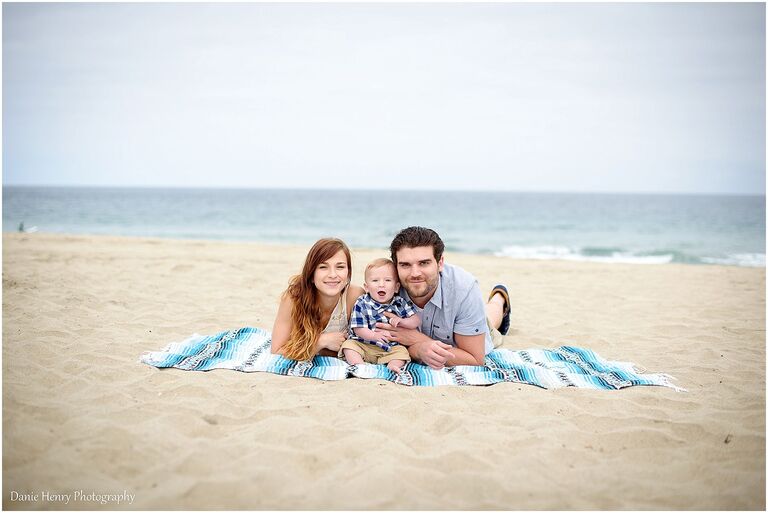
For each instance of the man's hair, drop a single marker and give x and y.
(380, 262)
(414, 237)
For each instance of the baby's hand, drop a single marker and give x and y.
(381, 343)
(394, 321)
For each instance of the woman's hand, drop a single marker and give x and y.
(331, 341)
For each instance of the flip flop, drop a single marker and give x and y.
(505, 322)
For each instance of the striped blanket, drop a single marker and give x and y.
(248, 350)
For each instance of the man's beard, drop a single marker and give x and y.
(425, 288)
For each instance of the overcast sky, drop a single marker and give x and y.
(527, 97)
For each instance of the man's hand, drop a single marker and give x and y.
(432, 352)
(383, 334)
(404, 336)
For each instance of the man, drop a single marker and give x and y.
(454, 326)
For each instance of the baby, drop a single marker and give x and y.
(381, 284)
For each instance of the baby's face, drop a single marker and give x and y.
(381, 283)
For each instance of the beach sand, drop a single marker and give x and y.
(80, 413)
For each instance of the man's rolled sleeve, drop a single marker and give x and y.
(470, 317)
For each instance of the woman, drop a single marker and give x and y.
(313, 317)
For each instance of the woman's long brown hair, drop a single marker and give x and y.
(305, 316)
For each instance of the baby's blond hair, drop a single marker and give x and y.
(380, 262)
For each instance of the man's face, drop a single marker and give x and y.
(419, 272)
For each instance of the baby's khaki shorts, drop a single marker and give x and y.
(375, 354)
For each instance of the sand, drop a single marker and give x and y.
(82, 415)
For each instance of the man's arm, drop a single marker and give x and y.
(469, 350)
(411, 323)
(470, 318)
(421, 348)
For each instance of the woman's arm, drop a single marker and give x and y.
(281, 331)
(327, 344)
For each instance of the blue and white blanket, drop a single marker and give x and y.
(248, 350)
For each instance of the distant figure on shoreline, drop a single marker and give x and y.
(22, 230)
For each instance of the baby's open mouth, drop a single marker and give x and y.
(381, 293)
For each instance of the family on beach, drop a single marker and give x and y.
(412, 307)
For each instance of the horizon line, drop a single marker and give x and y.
(394, 189)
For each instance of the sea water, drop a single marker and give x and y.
(634, 228)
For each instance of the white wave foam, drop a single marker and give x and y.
(565, 253)
(739, 259)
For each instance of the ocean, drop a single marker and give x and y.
(629, 228)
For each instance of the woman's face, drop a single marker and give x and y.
(332, 275)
